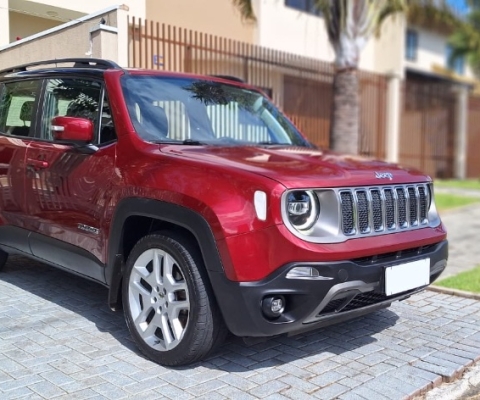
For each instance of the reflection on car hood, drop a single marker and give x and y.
(297, 167)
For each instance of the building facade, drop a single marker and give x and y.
(415, 105)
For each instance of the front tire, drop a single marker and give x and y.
(3, 259)
(169, 308)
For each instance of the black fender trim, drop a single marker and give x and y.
(162, 211)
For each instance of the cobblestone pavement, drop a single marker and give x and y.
(58, 339)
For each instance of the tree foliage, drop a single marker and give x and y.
(350, 24)
(465, 41)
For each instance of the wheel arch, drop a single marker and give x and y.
(136, 217)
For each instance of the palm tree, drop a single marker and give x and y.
(465, 41)
(350, 24)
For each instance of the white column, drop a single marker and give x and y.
(461, 133)
(122, 37)
(104, 42)
(4, 23)
(393, 118)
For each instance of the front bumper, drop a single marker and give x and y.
(354, 288)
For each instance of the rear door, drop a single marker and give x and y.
(69, 188)
(18, 102)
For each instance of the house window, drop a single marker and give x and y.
(457, 65)
(303, 5)
(412, 45)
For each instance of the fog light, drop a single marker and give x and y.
(273, 306)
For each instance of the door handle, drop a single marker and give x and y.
(37, 164)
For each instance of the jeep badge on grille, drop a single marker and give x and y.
(383, 175)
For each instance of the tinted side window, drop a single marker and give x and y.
(17, 101)
(67, 97)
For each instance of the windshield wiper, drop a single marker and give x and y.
(193, 142)
(273, 144)
(186, 142)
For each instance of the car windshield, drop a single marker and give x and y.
(193, 111)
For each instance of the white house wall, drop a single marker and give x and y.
(290, 30)
(4, 22)
(286, 29)
(431, 52)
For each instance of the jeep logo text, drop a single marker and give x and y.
(383, 175)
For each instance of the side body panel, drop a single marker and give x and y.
(12, 180)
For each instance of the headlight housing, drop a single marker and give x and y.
(303, 209)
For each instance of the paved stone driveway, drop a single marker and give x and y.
(58, 339)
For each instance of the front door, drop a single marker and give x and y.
(68, 188)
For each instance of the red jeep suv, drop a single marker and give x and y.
(201, 207)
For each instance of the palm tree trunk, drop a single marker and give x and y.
(344, 129)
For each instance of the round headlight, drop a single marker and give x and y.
(302, 209)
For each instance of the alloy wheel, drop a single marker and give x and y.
(159, 299)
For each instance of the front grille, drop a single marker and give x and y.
(361, 300)
(365, 299)
(393, 256)
(383, 209)
(357, 301)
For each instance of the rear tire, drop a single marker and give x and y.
(168, 304)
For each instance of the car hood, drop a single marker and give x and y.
(299, 167)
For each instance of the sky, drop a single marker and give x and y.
(459, 4)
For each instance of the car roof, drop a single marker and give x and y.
(97, 67)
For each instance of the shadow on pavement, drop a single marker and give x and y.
(89, 300)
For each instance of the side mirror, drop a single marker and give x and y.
(71, 129)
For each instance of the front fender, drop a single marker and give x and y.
(163, 211)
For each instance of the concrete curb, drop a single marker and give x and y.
(452, 387)
(460, 389)
(454, 292)
(447, 387)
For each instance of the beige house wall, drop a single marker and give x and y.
(136, 7)
(22, 25)
(217, 17)
(23, 18)
(75, 39)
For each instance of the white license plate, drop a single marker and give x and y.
(403, 277)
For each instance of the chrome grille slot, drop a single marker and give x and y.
(389, 208)
(383, 209)
(422, 195)
(363, 211)
(348, 219)
(401, 207)
(377, 212)
(413, 206)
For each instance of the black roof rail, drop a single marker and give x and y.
(78, 63)
(229, 78)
